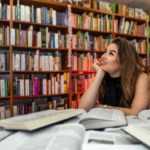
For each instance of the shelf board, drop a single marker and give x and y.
(6, 21)
(47, 3)
(131, 36)
(4, 98)
(130, 18)
(83, 72)
(39, 48)
(84, 50)
(83, 9)
(4, 72)
(39, 72)
(61, 27)
(4, 46)
(38, 96)
(95, 32)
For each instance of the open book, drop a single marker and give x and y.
(4, 133)
(38, 120)
(99, 118)
(69, 137)
(140, 132)
(143, 117)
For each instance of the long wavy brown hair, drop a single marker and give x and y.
(132, 66)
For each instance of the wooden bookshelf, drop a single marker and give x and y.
(86, 35)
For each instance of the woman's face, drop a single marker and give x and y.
(109, 61)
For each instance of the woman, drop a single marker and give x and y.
(120, 82)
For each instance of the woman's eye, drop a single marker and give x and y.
(111, 53)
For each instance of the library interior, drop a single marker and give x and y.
(47, 52)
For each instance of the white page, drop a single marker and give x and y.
(106, 114)
(139, 131)
(134, 120)
(58, 137)
(145, 115)
(114, 147)
(99, 137)
(4, 133)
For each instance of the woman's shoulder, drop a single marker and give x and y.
(143, 78)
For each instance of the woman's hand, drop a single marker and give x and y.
(97, 68)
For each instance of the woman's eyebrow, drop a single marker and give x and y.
(112, 50)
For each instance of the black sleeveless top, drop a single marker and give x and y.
(113, 93)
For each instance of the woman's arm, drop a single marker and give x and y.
(88, 99)
(141, 98)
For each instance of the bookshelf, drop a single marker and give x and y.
(45, 70)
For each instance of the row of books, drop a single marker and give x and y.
(99, 22)
(4, 111)
(75, 103)
(81, 82)
(25, 107)
(84, 40)
(4, 11)
(37, 61)
(106, 6)
(83, 61)
(94, 4)
(4, 87)
(4, 35)
(51, 16)
(44, 15)
(132, 12)
(129, 27)
(32, 105)
(4, 60)
(39, 38)
(34, 85)
(140, 45)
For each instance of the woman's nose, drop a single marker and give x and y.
(103, 55)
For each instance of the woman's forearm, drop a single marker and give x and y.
(127, 111)
(88, 99)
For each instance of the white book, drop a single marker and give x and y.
(17, 65)
(140, 132)
(27, 13)
(8, 12)
(22, 12)
(13, 39)
(38, 15)
(27, 88)
(23, 62)
(53, 17)
(142, 117)
(38, 120)
(39, 40)
(69, 136)
(22, 87)
(99, 118)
